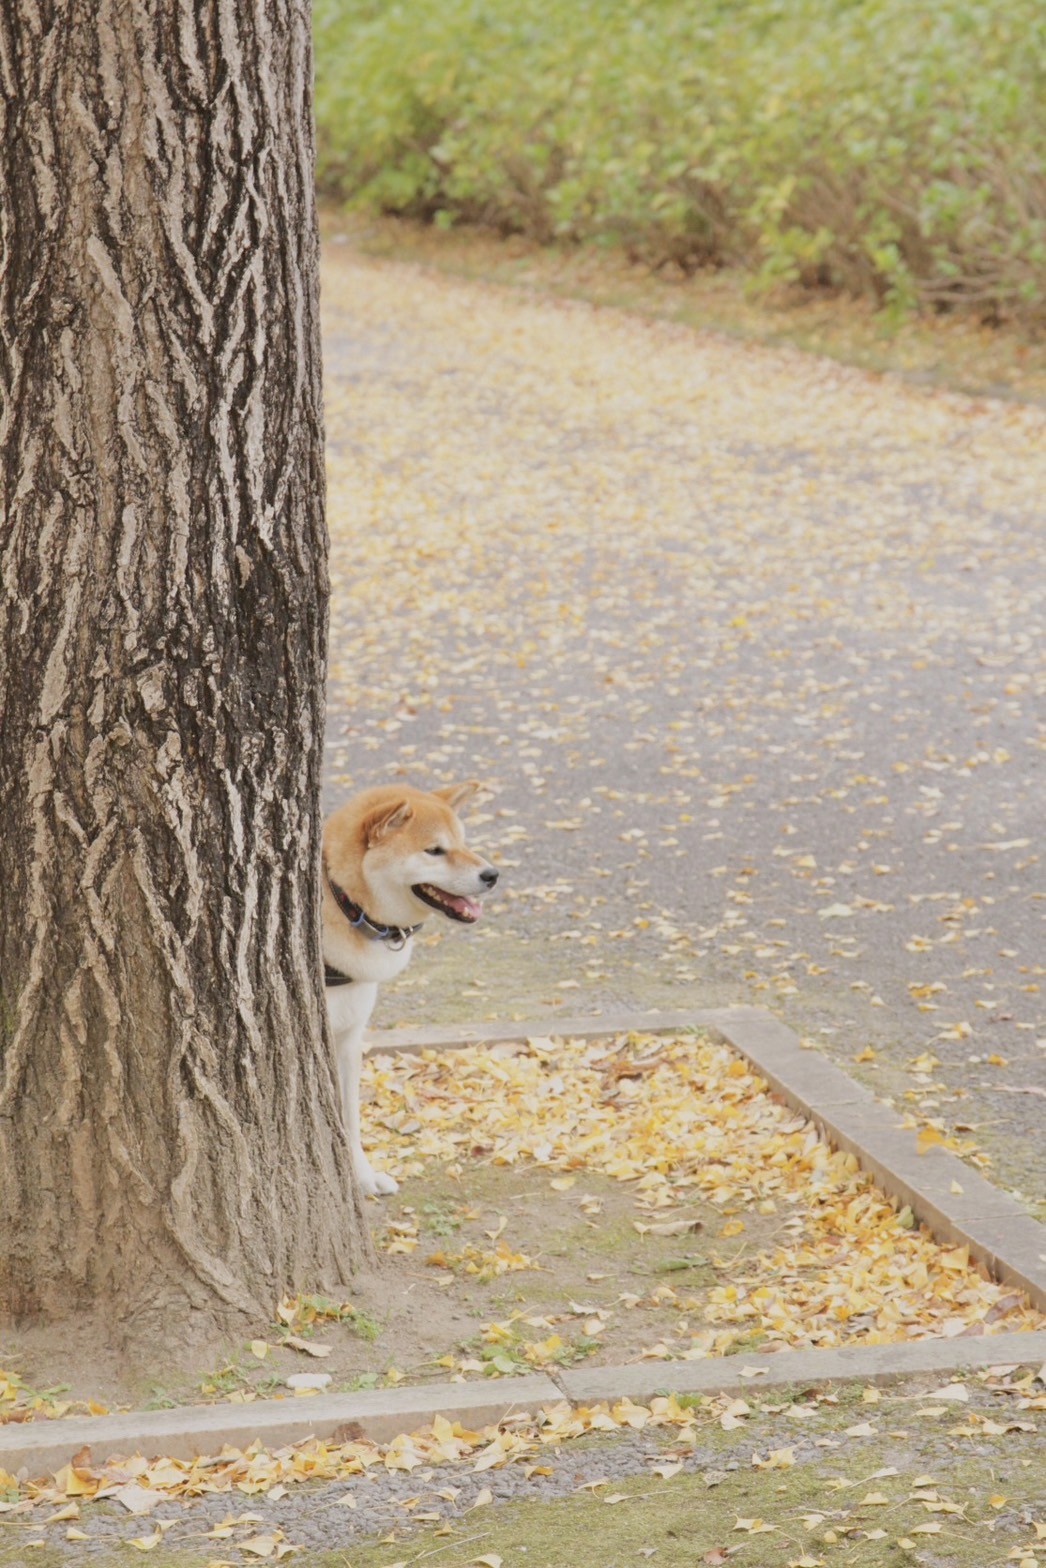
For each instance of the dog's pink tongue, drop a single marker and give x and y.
(468, 908)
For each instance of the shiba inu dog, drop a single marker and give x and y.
(391, 856)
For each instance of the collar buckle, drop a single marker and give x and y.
(396, 937)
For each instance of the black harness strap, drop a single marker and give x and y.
(333, 976)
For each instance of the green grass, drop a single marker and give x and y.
(830, 1509)
(685, 1522)
(891, 150)
(313, 1310)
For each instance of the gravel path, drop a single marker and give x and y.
(863, 1446)
(750, 648)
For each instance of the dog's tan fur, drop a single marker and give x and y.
(377, 849)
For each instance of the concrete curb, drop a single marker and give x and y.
(956, 1202)
(40, 1447)
(804, 1368)
(998, 1232)
(191, 1430)
(430, 1037)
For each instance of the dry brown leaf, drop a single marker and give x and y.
(309, 1346)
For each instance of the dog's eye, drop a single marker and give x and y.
(437, 849)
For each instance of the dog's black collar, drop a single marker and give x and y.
(332, 976)
(395, 936)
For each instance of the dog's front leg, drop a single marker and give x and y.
(349, 1051)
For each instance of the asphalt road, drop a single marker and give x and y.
(749, 648)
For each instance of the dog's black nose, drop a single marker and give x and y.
(488, 877)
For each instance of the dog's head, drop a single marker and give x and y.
(401, 853)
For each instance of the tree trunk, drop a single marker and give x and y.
(169, 1138)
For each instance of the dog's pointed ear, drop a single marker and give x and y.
(458, 795)
(386, 820)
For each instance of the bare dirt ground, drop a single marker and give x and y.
(637, 1197)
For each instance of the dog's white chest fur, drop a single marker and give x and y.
(364, 960)
(350, 1006)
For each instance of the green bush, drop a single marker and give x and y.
(876, 145)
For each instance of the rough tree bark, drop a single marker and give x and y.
(169, 1138)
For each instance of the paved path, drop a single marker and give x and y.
(750, 649)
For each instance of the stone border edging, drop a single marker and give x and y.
(803, 1368)
(190, 1430)
(40, 1447)
(955, 1201)
(997, 1230)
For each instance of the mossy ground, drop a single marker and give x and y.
(684, 1522)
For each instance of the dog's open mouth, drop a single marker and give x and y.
(450, 904)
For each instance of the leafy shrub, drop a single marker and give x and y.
(875, 145)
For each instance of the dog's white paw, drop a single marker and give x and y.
(374, 1184)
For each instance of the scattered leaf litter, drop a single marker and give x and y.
(521, 1438)
(675, 1117)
